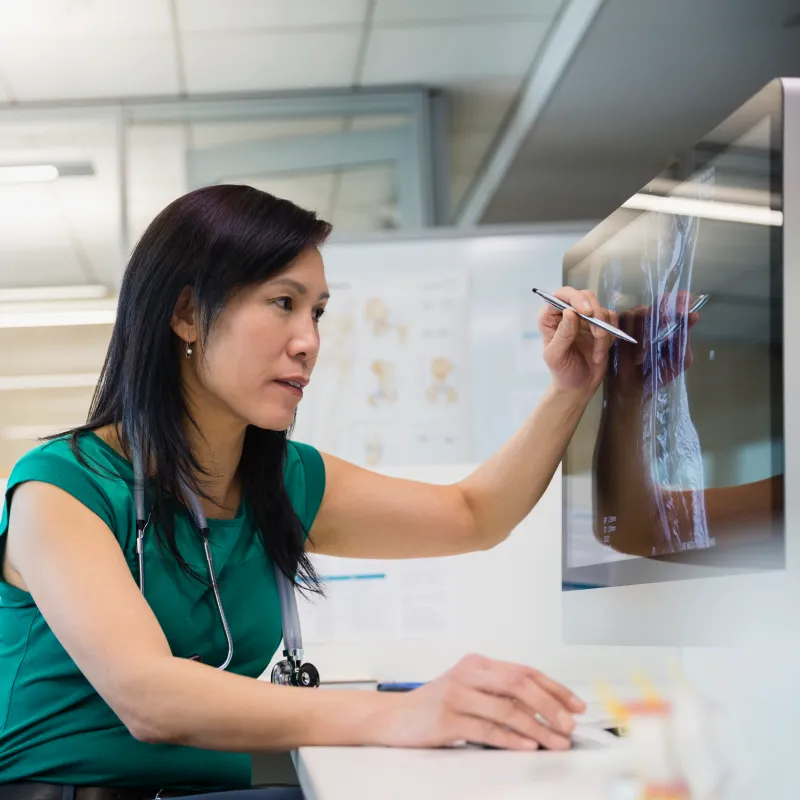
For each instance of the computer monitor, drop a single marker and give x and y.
(679, 521)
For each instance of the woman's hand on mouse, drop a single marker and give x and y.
(482, 701)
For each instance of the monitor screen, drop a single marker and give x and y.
(679, 458)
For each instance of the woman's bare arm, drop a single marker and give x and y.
(73, 566)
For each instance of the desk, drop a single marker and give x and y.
(370, 773)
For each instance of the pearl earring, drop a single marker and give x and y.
(188, 349)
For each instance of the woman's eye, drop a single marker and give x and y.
(285, 303)
(318, 312)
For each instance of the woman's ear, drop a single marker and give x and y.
(184, 316)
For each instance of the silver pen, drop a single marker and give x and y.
(562, 306)
(673, 327)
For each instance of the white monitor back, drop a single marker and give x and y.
(739, 609)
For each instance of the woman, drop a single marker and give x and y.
(216, 335)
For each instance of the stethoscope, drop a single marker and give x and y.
(290, 671)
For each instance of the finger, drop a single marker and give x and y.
(599, 312)
(510, 680)
(483, 731)
(581, 301)
(549, 319)
(630, 320)
(564, 335)
(602, 338)
(567, 697)
(683, 302)
(510, 714)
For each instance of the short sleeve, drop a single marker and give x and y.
(305, 481)
(55, 463)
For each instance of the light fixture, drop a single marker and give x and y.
(32, 173)
(55, 319)
(26, 294)
(43, 173)
(708, 209)
(77, 380)
(56, 313)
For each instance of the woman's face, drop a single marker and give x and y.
(266, 339)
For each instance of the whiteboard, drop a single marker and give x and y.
(480, 322)
(412, 620)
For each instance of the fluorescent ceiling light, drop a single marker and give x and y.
(708, 209)
(58, 313)
(43, 173)
(34, 173)
(55, 319)
(718, 192)
(24, 294)
(78, 380)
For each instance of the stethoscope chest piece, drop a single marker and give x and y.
(291, 672)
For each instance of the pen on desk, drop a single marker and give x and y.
(399, 687)
(562, 306)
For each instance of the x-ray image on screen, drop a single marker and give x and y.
(680, 456)
(649, 382)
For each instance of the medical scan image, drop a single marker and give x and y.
(680, 455)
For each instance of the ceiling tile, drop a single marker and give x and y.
(59, 138)
(66, 18)
(245, 15)
(88, 67)
(268, 61)
(436, 10)
(77, 217)
(463, 52)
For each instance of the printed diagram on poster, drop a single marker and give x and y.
(390, 385)
(368, 599)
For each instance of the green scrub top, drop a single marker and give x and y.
(54, 726)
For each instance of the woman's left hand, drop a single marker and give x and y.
(575, 351)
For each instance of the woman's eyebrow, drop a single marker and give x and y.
(298, 287)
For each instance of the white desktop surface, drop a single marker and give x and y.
(352, 773)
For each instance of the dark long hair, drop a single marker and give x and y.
(217, 240)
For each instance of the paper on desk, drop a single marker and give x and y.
(369, 600)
